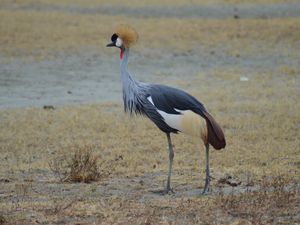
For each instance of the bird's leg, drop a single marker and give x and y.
(171, 157)
(207, 178)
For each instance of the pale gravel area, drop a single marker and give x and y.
(93, 77)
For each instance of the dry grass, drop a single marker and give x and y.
(274, 196)
(265, 206)
(82, 166)
(2, 220)
(262, 138)
(43, 34)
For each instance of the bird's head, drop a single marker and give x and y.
(123, 38)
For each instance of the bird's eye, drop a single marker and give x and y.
(114, 37)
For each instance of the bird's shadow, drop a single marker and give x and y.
(162, 192)
(180, 193)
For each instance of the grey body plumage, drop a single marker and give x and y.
(165, 98)
(135, 96)
(171, 109)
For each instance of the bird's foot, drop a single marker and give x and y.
(164, 192)
(207, 185)
(205, 191)
(168, 191)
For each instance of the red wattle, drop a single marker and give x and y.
(121, 54)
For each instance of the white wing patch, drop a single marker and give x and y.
(150, 100)
(173, 120)
(187, 121)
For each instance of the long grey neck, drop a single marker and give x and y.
(125, 75)
(129, 84)
(133, 91)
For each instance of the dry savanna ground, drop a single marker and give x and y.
(92, 164)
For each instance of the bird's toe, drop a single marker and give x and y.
(168, 191)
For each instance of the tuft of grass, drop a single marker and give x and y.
(83, 166)
(2, 220)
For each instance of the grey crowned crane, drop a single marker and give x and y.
(172, 110)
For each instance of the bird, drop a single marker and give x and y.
(172, 110)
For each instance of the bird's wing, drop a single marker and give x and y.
(173, 104)
(172, 100)
(151, 112)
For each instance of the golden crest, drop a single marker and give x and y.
(128, 34)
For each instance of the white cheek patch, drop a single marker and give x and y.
(119, 42)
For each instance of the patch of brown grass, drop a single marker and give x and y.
(2, 220)
(277, 205)
(81, 164)
(262, 142)
(43, 34)
(275, 201)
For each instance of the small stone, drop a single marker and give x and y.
(48, 107)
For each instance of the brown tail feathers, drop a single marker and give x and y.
(215, 135)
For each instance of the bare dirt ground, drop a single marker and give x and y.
(240, 59)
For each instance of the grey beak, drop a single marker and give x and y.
(111, 45)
